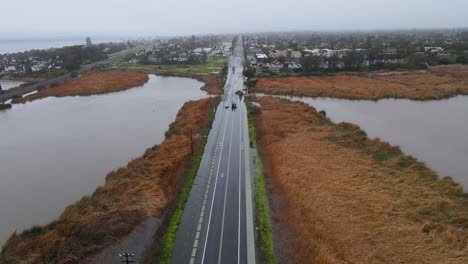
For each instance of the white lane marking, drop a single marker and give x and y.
(214, 193)
(225, 194)
(200, 221)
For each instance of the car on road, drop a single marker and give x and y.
(226, 106)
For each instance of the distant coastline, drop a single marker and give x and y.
(14, 45)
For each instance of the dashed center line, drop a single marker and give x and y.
(218, 146)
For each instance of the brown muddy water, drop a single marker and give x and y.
(435, 132)
(55, 150)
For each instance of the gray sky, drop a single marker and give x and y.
(179, 17)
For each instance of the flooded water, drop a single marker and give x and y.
(54, 151)
(7, 84)
(432, 131)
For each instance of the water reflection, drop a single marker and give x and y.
(54, 151)
(432, 131)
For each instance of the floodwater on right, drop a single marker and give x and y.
(435, 131)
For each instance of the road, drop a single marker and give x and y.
(9, 94)
(217, 223)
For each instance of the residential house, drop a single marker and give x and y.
(252, 60)
(433, 50)
(10, 69)
(296, 54)
(279, 53)
(275, 67)
(261, 58)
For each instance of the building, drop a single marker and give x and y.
(10, 69)
(261, 58)
(296, 54)
(433, 49)
(252, 60)
(279, 53)
(275, 67)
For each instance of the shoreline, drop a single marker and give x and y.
(90, 84)
(84, 226)
(339, 196)
(104, 82)
(373, 87)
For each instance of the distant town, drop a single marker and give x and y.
(294, 53)
(299, 53)
(53, 62)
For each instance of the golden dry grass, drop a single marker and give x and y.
(352, 86)
(146, 187)
(213, 83)
(455, 69)
(91, 83)
(339, 197)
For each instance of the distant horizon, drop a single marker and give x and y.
(202, 17)
(110, 36)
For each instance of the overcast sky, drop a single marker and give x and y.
(180, 17)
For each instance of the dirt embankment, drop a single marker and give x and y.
(91, 83)
(145, 188)
(339, 197)
(352, 86)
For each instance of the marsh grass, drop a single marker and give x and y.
(340, 197)
(262, 208)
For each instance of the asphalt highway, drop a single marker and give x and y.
(217, 223)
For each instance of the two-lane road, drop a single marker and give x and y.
(217, 224)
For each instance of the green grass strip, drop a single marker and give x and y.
(171, 230)
(262, 209)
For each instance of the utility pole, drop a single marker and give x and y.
(127, 258)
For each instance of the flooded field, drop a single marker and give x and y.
(55, 150)
(431, 131)
(7, 84)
